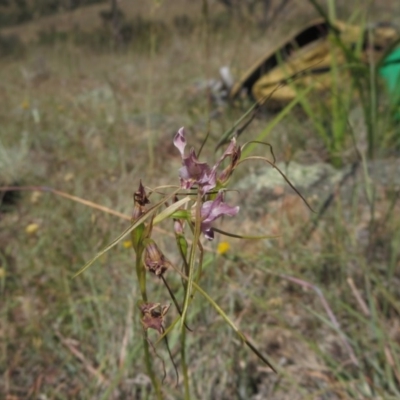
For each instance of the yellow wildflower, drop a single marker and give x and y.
(223, 247)
(275, 302)
(127, 244)
(35, 196)
(32, 229)
(69, 177)
(37, 342)
(25, 104)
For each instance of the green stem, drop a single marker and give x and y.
(149, 365)
(149, 96)
(141, 276)
(184, 365)
(192, 258)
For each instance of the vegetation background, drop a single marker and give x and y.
(91, 95)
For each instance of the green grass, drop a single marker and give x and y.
(83, 128)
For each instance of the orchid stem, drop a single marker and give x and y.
(141, 276)
(149, 366)
(184, 365)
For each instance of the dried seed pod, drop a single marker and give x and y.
(153, 316)
(154, 259)
(140, 201)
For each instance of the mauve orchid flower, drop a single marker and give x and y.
(211, 210)
(195, 172)
(180, 141)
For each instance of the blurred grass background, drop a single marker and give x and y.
(91, 113)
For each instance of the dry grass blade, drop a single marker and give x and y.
(283, 176)
(127, 334)
(392, 363)
(150, 212)
(330, 313)
(228, 321)
(358, 297)
(101, 379)
(76, 199)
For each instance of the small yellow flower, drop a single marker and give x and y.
(32, 229)
(127, 244)
(35, 196)
(275, 302)
(223, 247)
(37, 342)
(25, 104)
(69, 177)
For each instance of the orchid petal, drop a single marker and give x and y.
(208, 181)
(195, 172)
(211, 210)
(209, 234)
(180, 141)
(230, 151)
(217, 211)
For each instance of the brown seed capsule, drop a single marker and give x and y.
(154, 259)
(153, 316)
(140, 201)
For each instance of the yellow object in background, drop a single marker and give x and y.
(25, 105)
(307, 57)
(223, 247)
(127, 244)
(32, 229)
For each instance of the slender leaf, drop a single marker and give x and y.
(235, 235)
(170, 210)
(133, 226)
(285, 111)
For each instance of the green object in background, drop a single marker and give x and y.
(390, 72)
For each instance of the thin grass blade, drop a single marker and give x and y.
(233, 235)
(139, 221)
